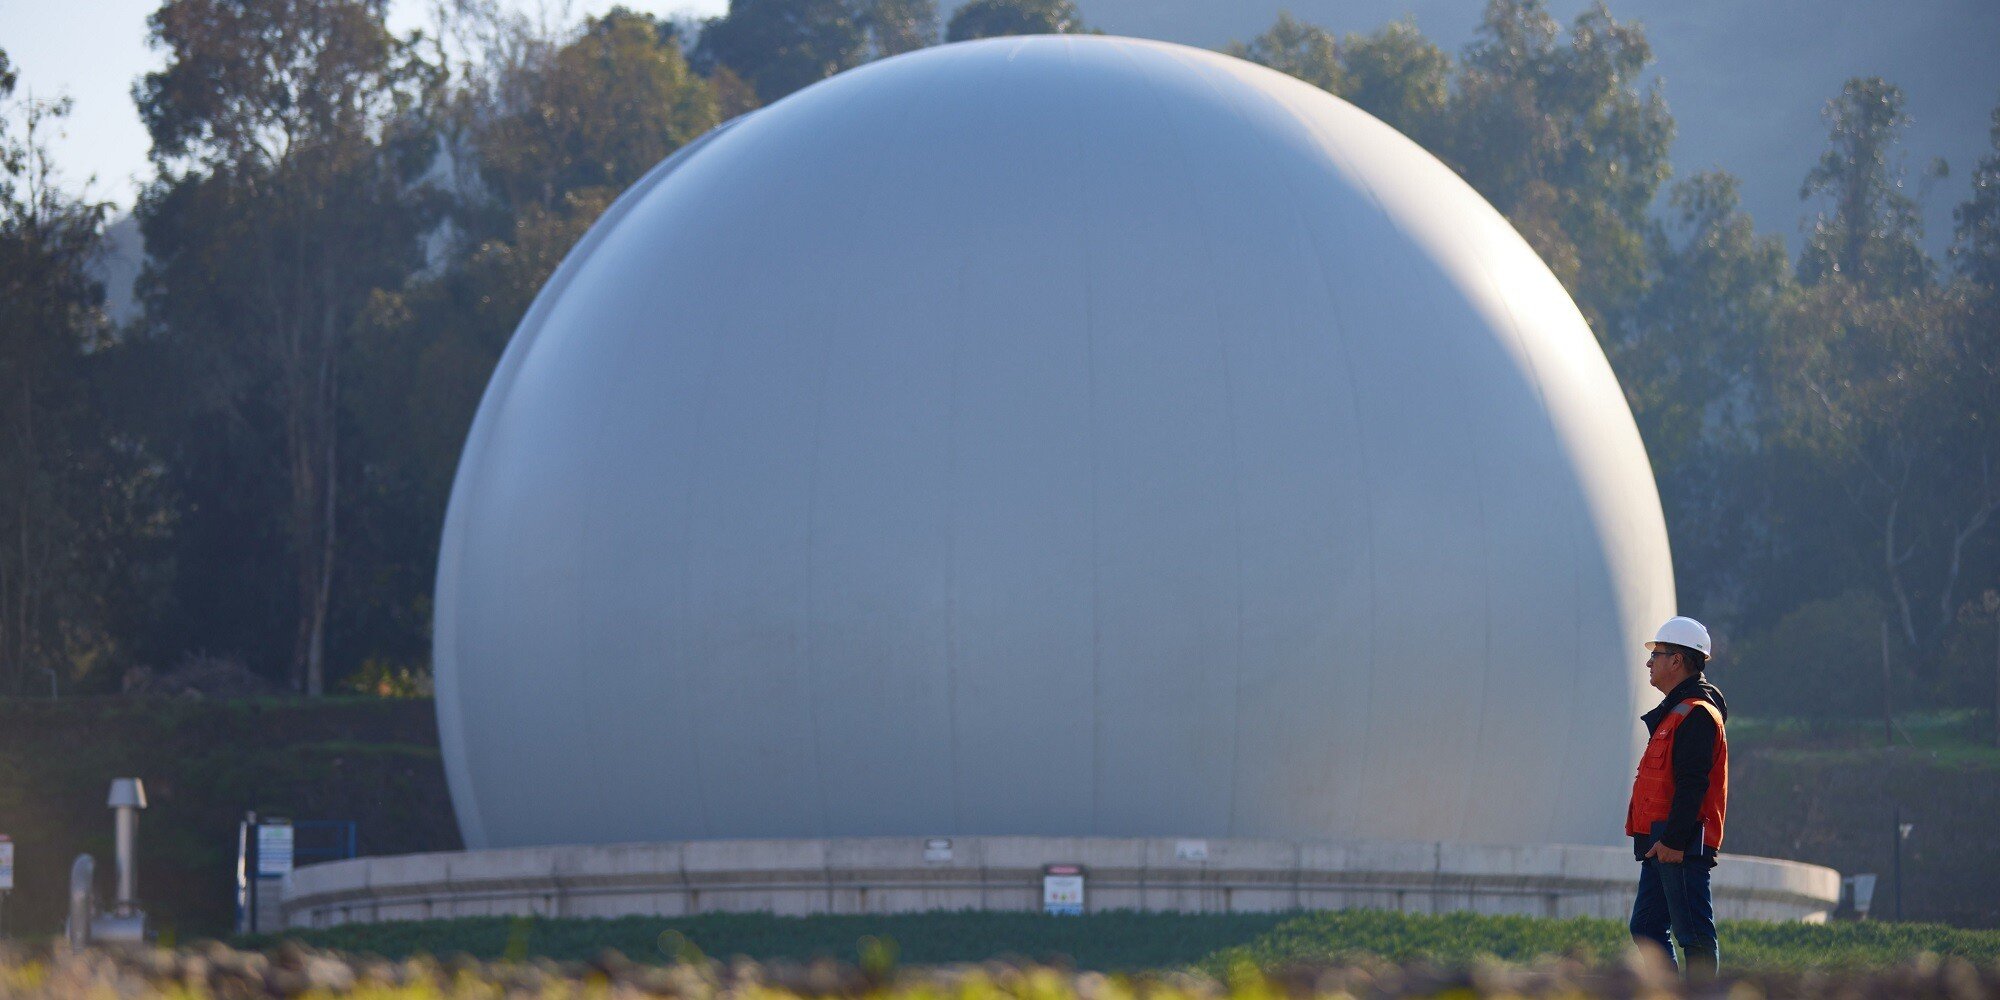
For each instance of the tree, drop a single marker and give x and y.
(1306, 51)
(1395, 74)
(279, 209)
(1894, 401)
(1399, 76)
(62, 479)
(1561, 139)
(548, 139)
(1871, 233)
(1976, 245)
(600, 112)
(1888, 381)
(1693, 373)
(898, 26)
(780, 46)
(997, 18)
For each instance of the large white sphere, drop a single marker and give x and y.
(1053, 436)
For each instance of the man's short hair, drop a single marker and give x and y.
(1690, 656)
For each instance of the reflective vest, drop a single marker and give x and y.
(1653, 788)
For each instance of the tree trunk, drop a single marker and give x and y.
(298, 446)
(1892, 564)
(1888, 693)
(24, 576)
(328, 397)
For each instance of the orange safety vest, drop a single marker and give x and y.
(1653, 788)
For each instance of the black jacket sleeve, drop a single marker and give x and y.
(1694, 755)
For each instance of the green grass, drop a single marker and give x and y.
(1126, 941)
(1460, 937)
(1104, 942)
(1960, 739)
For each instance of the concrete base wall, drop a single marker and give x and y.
(898, 875)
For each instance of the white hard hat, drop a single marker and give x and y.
(1682, 632)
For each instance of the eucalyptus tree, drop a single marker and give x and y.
(780, 46)
(997, 18)
(1563, 137)
(1887, 382)
(280, 207)
(1296, 48)
(1693, 370)
(1401, 77)
(61, 480)
(550, 130)
(1870, 231)
(1976, 237)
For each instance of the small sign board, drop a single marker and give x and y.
(274, 849)
(937, 849)
(6, 863)
(1861, 889)
(1191, 850)
(1062, 890)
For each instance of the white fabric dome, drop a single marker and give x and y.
(1059, 436)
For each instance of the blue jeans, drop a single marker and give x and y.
(1675, 897)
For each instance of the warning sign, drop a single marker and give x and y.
(1062, 890)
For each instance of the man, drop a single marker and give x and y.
(1679, 799)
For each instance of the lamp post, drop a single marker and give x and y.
(1902, 833)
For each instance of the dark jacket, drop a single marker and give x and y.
(1694, 755)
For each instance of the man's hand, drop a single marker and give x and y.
(1662, 852)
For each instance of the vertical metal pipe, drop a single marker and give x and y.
(1898, 833)
(128, 796)
(128, 859)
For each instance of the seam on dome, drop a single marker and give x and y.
(1425, 304)
(842, 301)
(1090, 414)
(1202, 211)
(1344, 349)
(1578, 667)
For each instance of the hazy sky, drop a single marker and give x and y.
(1745, 78)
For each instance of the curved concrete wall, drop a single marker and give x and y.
(1050, 436)
(890, 875)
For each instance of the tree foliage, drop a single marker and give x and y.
(577, 121)
(1976, 247)
(279, 208)
(780, 46)
(64, 482)
(998, 18)
(1306, 51)
(1871, 232)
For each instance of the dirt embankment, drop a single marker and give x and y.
(1838, 808)
(204, 763)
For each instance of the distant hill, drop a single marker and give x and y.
(1746, 79)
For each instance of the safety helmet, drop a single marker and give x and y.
(1682, 632)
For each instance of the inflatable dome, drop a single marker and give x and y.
(1054, 436)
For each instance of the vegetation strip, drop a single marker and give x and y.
(1132, 942)
(292, 971)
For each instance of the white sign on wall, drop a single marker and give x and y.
(1191, 850)
(1062, 890)
(6, 864)
(274, 849)
(937, 849)
(1863, 888)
